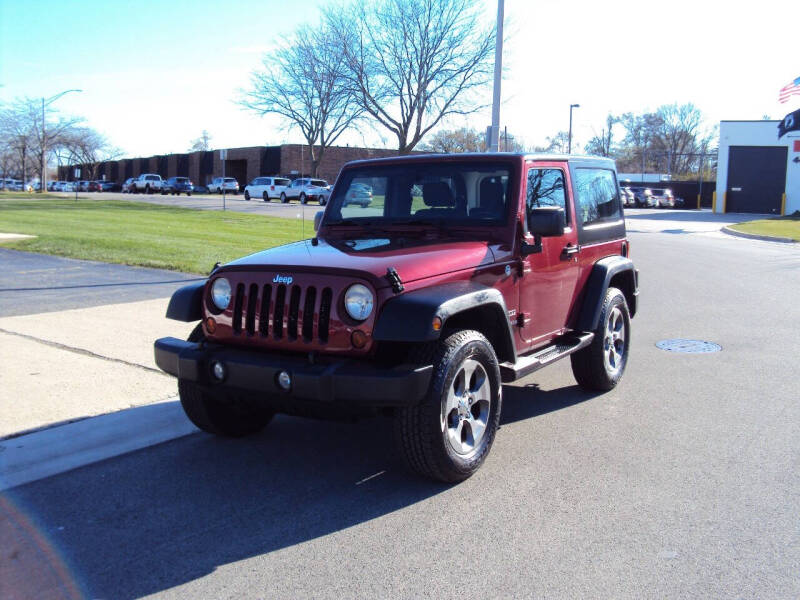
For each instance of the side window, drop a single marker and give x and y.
(597, 195)
(546, 187)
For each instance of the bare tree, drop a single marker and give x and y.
(468, 139)
(22, 131)
(87, 148)
(304, 82)
(602, 145)
(414, 62)
(201, 143)
(558, 143)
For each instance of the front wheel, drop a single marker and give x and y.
(247, 195)
(448, 435)
(599, 366)
(223, 413)
(302, 198)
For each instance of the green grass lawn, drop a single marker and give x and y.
(786, 227)
(136, 233)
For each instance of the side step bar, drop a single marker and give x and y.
(563, 346)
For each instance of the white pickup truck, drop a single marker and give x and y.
(148, 183)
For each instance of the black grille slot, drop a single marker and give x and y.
(325, 314)
(294, 313)
(263, 315)
(308, 313)
(277, 321)
(237, 309)
(250, 320)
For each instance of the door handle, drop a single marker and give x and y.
(569, 250)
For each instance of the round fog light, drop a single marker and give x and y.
(284, 380)
(218, 370)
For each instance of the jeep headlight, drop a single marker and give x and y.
(221, 293)
(358, 301)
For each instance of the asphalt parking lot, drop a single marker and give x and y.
(235, 202)
(683, 481)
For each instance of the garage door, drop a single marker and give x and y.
(756, 179)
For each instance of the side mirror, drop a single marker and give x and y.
(318, 219)
(547, 221)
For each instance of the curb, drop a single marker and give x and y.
(56, 450)
(753, 236)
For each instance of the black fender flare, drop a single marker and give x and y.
(600, 278)
(186, 303)
(409, 316)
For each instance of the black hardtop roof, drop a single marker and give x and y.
(493, 156)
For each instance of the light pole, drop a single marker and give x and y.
(43, 178)
(494, 139)
(569, 139)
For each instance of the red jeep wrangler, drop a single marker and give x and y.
(463, 272)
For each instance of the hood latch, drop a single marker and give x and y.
(394, 279)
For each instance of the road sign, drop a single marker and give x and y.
(77, 172)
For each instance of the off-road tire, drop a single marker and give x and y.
(222, 415)
(420, 431)
(284, 199)
(590, 366)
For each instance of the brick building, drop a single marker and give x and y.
(244, 164)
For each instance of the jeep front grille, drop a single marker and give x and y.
(291, 314)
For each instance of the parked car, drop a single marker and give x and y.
(178, 185)
(357, 323)
(69, 186)
(229, 184)
(266, 188)
(109, 186)
(628, 198)
(643, 197)
(199, 189)
(304, 189)
(95, 186)
(83, 185)
(359, 194)
(128, 187)
(663, 198)
(149, 183)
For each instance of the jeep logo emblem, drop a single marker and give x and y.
(283, 279)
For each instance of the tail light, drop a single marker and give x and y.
(272, 187)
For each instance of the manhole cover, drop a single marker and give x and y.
(688, 346)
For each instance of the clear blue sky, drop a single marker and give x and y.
(155, 74)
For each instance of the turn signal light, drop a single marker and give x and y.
(437, 324)
(211, 325)
(358, 338)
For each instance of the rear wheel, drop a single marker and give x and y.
(147, 189)
(448, 435)
(223, 414)
(284, 199)
(247, 195)
(600, 365)
(265, 197)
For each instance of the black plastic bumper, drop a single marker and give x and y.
(342, 380)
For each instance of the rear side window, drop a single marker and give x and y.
(282, 182)
(597, 196)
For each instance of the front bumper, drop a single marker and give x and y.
(327, 380)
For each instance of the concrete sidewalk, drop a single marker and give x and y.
(63, 366)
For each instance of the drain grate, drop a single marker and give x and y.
(688, 346)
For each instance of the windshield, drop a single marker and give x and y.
(468, 193)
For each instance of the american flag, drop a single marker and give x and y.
(790, 88)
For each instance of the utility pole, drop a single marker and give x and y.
(43, 178)
(498, 71)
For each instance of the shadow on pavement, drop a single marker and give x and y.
(155, 519)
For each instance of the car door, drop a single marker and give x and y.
(549, 277)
